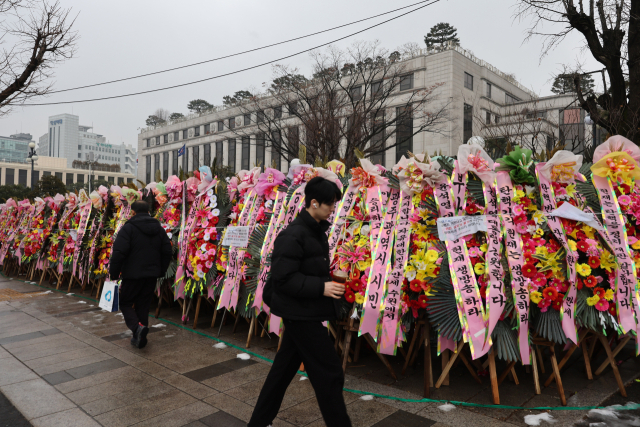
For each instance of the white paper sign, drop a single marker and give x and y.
(568, 211)
(237, 236)
(455, 227)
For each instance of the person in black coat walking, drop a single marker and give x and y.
(301, 292)
(140, 254)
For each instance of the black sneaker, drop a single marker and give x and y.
(142, 332)
(135, 340)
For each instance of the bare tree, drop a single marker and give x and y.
(162, 114)
(611, 31)
(361, 99)
(36, 36)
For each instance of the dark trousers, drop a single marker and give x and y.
(140, 293)
(309, 343)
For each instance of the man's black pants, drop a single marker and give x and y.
(140, 293)
(308, 343)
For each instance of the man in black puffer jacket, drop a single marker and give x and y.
(140, 254)
(301, 292)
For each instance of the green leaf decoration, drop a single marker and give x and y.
(517, 163)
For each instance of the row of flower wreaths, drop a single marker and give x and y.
(555, 251)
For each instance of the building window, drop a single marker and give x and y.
(100, 178)
(232, 123)
(79, 155)
(496, 119)
(293, 143)
(79, 147)
(9, 180)
(572, 129)
(244, 156)
(488, 118)
(196, 131)
(247, 119)
(260, 150)
(510, 99)
(166, 140)
(489, 90)
(195, 164)
(406, 82)
(69, 180)
(46, 173)
(58, 174)
(292, 108)
(231, 161)
(376, 88)
(207, 129)
(80, 178)
(468, 81)
(148, 143)
(277, 112)
(356, 93)
(260, 116)
(467, 123)
(185, 134)
(185, 160)
(207, 154)
(219, 153)
(220, 126)
(174, 163)
(22, 177)
(276, 145)
(176, 136)
(148, 174)
(110, 179)
(404, 132)
(165, 165)
(378, 140)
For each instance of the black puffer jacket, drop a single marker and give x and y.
(142, 249)
(299, 269)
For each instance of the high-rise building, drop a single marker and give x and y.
(68, 139)
(14, 148)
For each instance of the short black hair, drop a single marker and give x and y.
(322, 190)
(140, 207)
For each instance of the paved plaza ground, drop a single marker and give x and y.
(64, 362)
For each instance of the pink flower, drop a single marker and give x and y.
(544, 304)
(602, 305)
(474, 252)
(522, 228)
(624, 200)
(517, 210)
(268, 181)
(539, 280)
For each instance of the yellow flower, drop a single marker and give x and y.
(636, 245)
(519, 193)
(432, 256)
(593, 300)
(589, 231)
(571, 190)
(483, 248)
(532, 208)
(607, 260)
(583, 269)
(422, 275)
(535, 297)
(538, 217)
(431, 222)
(359, 298)
(572, 245)
(608, 295)
(479, 268)
(542, 250)
(539, 232)
(424, 214)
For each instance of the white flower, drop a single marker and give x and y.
(268, 204)
(210, 193)
(529, 189)
(531, 229)
(216, 212)
(213, 205)
(232, 215)
(203, 248)
(365, 230)
(207, 237)
(228, 179)
(411, 274)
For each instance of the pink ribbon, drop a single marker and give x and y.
(82, 226)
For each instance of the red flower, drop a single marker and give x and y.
(550, 293)
(416, 285)
(349, 296)
(612, 309)
(590, 281)
(529, 270)
(471, 209)
(423, 300)
(594, 262)
(582, 246)
(557, 304)
(599, 291)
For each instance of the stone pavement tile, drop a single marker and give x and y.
(249, 391)
(145, 409)
(104, 405)
(4, 353)
(178, 417)
(238, 377)
(36, 398)
(52, 331)
(371, 387)
(32, 327)
(231, 406)
(96, 379)
(460, 417)
(10, 416)
(364, 413)
(281, 423)
(195, 424)
(58, 378)
(12, 371)
(69, 418)
(195, 389)
(404, 419)
(155, 370)
(208, 372)
(117, 386)
(440, 425)
(47, 349)
(38, 343)
(61, 357)
(23, 337)
(95, 368)
(72, 364)
(197, 358)
(302, 413)
(145, 392)
(222, 419)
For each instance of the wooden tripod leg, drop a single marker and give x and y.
(587, 361)
(345, 349)
(495, 394)
(506, 372)
(564, 360)
(195, 320)
(235, 324)
(540, 359)
(447, 368)
(215, 313)
(428, 377)
(416, 332)
(381, 356)
(445, 361)
(356, 353)
(613, 364)
(615, 352)
(252, 326)
(470, 368)
(554, 364)
(536, 378)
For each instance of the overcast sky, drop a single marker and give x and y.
(122, 38)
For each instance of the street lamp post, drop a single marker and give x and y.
(32, 157)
